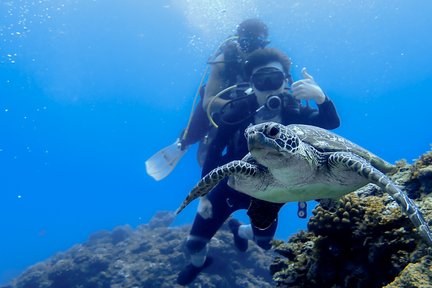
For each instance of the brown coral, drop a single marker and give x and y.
(415, 275)
(417, 178)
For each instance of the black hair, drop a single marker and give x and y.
(252, 27)
(264, 56)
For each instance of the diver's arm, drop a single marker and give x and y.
(197, 128)
(325, 117)
(216, 81)
(307, 89)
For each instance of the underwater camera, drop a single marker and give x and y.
(273, 102)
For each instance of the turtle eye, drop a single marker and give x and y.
(273, 132)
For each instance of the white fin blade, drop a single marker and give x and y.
(164, 161)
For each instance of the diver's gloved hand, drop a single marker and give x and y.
(307, 89)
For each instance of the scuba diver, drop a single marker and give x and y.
(226, 70)
(226, 73)
(270, 96)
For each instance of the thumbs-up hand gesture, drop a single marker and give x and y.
(307, 89)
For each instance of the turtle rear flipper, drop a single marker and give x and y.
(362, 168)
(208, 182)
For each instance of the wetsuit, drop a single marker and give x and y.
(199, 124)
(230, 144)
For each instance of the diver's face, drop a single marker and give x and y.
(249, 42)
(268, 80)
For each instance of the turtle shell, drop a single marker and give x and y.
(326, 141)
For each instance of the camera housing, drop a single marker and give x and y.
(273, 102)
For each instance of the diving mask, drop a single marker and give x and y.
(268, 79)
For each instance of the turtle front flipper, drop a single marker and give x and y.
(363, 168)
(209, 181)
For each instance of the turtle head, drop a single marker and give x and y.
(271, 140)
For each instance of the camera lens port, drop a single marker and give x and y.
(273, 102)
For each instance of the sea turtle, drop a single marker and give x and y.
(301, 163)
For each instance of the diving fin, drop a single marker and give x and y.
(164, 161)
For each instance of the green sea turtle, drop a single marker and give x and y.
(301, 163)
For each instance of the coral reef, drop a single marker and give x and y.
(149, 256)
(414, 275)
(362, 239)
(417, 178)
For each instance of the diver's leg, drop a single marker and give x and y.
(197, 248)
(247, 232)
(240, 238)
(263, 216)
(263, 237)
(242, 201)
(205, 226)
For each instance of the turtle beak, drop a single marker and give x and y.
(255, 141)
(258, 141)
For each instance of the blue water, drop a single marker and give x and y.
(90, 89)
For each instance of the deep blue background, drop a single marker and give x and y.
(90, 89)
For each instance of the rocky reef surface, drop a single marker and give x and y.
(149, 256)
(363, 239)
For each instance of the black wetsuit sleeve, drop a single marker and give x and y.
(198, 126)
(325, 117)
